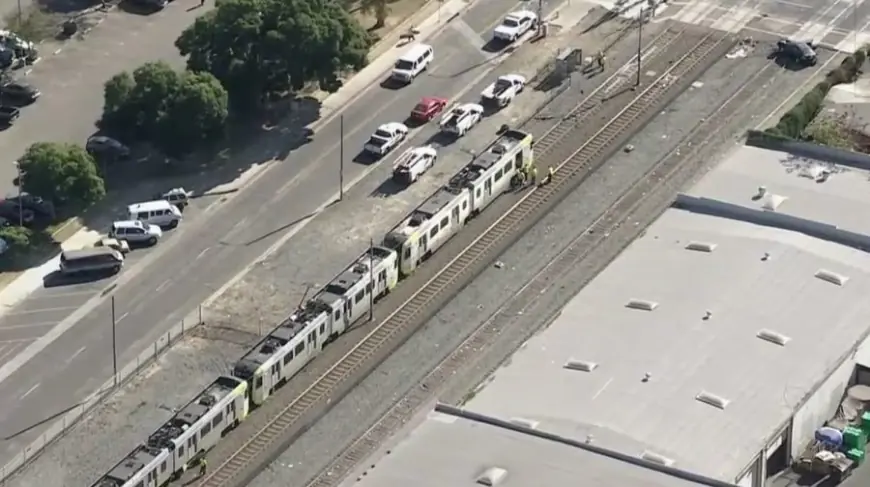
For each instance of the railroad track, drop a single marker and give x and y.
(661, 179)
(324, 387)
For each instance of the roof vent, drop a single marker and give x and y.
(701, 246)
(492, 476)
(832, 277)
(642, 304)
(657, 458)
(712, 399)
(525, 423)
(773, 337)
(772, 202)
(582, 365)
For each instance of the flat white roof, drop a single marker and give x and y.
(450, 449)
(750, 277)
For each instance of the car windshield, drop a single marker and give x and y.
(377, 142)
(381, 133)
(404, 65)
(510, 22)
(502, 83)
(421, 108)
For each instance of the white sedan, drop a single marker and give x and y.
(515, 25)
(386, 138)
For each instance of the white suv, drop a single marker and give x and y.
(134, 231)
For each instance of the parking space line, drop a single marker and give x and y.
(30, 325)
(202, 253)
(122, 317)
(162, 285)
(41, 310)
(30, 390)
(76, 354)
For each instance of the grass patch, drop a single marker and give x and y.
(33, 24)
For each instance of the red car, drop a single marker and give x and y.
(428, 108)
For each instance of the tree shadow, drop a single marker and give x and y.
(67, 6)
(441, 139)
(139, 7)
(787, 62)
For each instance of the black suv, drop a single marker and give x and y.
(800, 52)
(18, 91)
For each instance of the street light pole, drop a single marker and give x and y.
(372, 279)
(639, 44)
(114, 344)
(341, 158)
(19, 15)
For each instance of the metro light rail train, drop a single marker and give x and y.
(331, 311)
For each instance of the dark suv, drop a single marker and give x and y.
(800, 52)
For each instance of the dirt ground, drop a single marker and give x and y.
(399, 10)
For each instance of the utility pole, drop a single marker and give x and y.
(341, 159)
(541, 17)
(639, 44)
(372, 279)
(114, 343)
(19, 15)
(20, 184)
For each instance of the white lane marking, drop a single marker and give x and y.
(40, 310)
(602, 389)
(793, 4)
(30, 391)
(202, 253)
(462, 27)
(162, 285)
(17, 340)
(76, 354)
(122, 317)
(29, 325)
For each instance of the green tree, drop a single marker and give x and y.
(197, 114)
(379, 8)
(175, 112)
(261, 48)
(61, 173)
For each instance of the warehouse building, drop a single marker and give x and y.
(452, 447)
(719, 341)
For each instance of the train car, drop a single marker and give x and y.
(144, 467)
(192, 431)
(467, 193)
(297, 340)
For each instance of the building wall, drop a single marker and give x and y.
(820, 406)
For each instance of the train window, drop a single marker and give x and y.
(478, 192)
(433, 232)
(337, 314)
(217, 419)
(275, 367)
(359, 296)
(180, 451)
(163, 467)
(369, 288)
(288, 357)
(407, 253)
(141, 484)
(464, 205)
(322, 328)
(444, 222)
(259, 382)
(299, 348)
(498, 174)
(518, 161)
(382, 276)
(205, 430)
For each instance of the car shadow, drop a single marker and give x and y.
(787, 62)
(390, 187)
(58, 279)
(494, 45)
(366, 158)
(391, 84)
(413, 123)
(441, 139)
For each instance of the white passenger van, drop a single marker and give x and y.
(161, 213)
(413, 62)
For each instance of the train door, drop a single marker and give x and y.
(311, 344)
(424, 245)
(456, 220)
(488, 188)
(275, 375)
(382, 283)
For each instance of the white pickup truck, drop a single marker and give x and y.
(461, 118)
(413, 163)
(386, 138)
(503, 90)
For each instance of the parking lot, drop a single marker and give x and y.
(59, 297)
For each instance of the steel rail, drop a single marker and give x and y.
(654, 180)
(327, 383)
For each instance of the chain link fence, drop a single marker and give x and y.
(68, 418)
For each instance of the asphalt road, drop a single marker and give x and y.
(206, 252)
(839, 23)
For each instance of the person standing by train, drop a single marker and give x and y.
(203, 466)
(533, 175)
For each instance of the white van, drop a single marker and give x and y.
(413, 62)
(90, 260)
(161, 213)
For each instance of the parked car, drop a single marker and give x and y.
(19, 91)
(428, 108)
(8, 114)
(42, 208)
(177, 196)
(798, 51)
(101, 147)
(10, 211)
